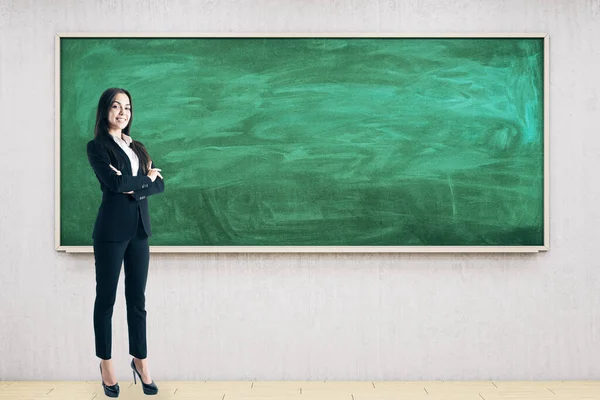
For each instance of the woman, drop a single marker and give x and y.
(127, 177)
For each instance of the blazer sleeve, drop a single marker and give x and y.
(100, 161)
(158, 186)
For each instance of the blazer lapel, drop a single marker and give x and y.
(124, 157)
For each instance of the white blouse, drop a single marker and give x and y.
(133, 158)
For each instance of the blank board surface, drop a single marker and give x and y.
(316, 141)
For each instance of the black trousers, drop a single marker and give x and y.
(135, 255)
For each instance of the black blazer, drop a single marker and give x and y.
(117, 218)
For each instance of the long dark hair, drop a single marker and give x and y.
(101, 127)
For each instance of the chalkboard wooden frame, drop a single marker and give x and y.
(311, 249)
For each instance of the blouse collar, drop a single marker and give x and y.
(124, 138)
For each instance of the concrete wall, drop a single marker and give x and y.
(306, 316)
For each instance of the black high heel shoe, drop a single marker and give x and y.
(147, 388)
(110, 391)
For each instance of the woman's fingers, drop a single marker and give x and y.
(157, 170)
(114, 169)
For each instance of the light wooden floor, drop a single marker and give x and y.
(330, 390)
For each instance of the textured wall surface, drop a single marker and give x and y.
(306, 316)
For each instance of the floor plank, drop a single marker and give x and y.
(310, 390)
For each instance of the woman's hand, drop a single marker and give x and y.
(119, 173)
(114, 169)
(153, 172)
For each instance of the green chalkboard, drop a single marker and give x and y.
(315, 141)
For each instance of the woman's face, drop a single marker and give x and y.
(119, 112)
